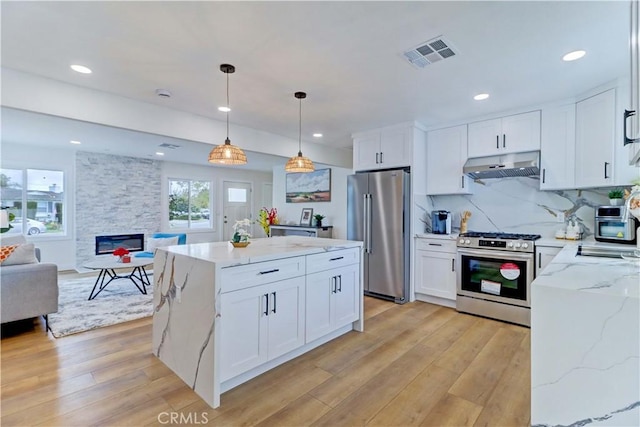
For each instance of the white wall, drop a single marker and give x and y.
(335, 210)
(218, 175)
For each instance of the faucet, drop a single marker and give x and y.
(627, 204)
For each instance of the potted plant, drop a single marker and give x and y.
(318, 219)
(615, 197)
(241, 236)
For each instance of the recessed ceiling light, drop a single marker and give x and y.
(159, 153)
(481, 96)
(224, 109)
(81, 69)
(317, 135)
(75, 142)
(572, 56)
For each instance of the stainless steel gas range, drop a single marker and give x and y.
(495, 275)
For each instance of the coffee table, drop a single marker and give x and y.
(108, 274)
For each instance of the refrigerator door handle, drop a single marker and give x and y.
(365, 216)
(368, 223)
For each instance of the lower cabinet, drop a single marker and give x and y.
(332, 300)
(435, 269)
(544, 255)
(261, 323)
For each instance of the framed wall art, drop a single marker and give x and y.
(309, 187)
(306, 217)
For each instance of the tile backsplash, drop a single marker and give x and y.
(516, 205)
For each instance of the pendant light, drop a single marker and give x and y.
(227, 154)
(299, 163)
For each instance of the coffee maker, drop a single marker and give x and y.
(441, 222)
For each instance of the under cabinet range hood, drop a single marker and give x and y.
(505, 165)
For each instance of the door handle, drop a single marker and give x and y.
(544, 175)
(275, 304)
(381, 160)
(627, 140)
(340, 282)
(540, 260)
(453, 264)
(333, 284)
(336, 259)
(377, 158)
(462, 180)
(435, 244)
(605, 170)
(369, 245)
(504, 141)
(266, 310)
(275, 270)
(497, 141)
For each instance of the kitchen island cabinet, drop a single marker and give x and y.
(224, 315)
(585, 341)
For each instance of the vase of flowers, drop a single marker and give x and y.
(122, 254)
(267, 218)
(240, 234)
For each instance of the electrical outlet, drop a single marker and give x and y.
(179, 293)
(561, 217)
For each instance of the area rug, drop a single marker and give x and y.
(119, 302)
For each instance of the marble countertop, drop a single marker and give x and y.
(266, 249)
(592, 274)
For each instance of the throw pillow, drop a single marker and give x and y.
(153, 243)
(21, 254)
(12, 239)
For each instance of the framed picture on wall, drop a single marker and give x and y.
(306, 217)
(308, 187)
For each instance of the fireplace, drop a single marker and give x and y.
(107, 244)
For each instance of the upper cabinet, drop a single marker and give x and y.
(511, 134)
(558, 147)
(446, 155)
(595, 137)
(384, 148)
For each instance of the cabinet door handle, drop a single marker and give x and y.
(381, 160)
(605, 170)
(453, 264)
(544, 175)
(462, 180)
(340, 281)
(540, 260)
(435, 244)
(627, 114)
(336, 259)
(334, 284)
(275, 304)
(497, 141)
(504, 141)
(266, 310)
(275, 270)
(377, 154)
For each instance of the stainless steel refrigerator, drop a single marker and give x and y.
(379, 214)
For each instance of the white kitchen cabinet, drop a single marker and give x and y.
(384, 148)
(446, 155)
(595, 138)
(332, 300)
(510, 134)
(435, 270)
(557, 147)
(544, 255)
(261, 323)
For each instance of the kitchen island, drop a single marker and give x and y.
(224, 315)
(585, 341)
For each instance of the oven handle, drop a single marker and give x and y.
(487, 253)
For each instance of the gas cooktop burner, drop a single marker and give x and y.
(503, 236)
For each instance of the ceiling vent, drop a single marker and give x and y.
(429, 52)
(169, 146)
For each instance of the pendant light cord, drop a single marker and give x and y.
(300, 128)
(227, 106)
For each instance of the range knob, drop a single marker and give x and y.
(510, 244)
(467, 241)
(525, 245)
(517, 245)
(462, 241)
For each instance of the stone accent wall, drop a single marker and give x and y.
(114, 195)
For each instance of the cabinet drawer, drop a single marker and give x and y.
(245, 276)
(332, 259)
(436, 245)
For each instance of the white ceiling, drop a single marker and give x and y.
(346, 55)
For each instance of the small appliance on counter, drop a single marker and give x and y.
(441, 222)
(611, 227)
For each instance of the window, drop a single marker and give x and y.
(190, 204)
(41, 192)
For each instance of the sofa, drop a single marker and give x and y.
(28, 290)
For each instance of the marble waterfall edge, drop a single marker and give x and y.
(184, 300)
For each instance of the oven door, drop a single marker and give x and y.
(495, 275)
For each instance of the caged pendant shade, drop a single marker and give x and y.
(227, 153)
(299, 163)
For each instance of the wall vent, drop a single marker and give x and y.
(430, 51)
(169, 146)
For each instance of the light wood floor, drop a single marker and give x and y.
(416, 364)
